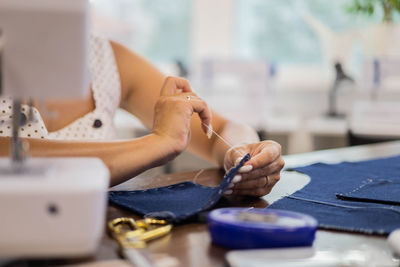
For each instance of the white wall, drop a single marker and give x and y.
(212, 28)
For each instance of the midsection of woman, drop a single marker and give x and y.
(62, 113)
(87, 118)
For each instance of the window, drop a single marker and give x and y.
(276, 29)
(159, 30)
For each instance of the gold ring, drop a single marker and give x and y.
(266, 182)
(188, 98)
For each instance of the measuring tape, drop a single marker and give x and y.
(245, 228)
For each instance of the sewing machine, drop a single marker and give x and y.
(49, 207)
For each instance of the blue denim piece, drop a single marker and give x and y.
(375, 191)
(370, 189)
(176, 202)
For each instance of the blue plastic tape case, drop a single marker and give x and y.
(246, 228)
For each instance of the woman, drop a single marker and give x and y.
(123, 79)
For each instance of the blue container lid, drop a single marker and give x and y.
(245, 228)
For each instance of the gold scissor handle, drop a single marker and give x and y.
(131, 233)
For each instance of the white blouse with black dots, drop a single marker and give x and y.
(95, 125)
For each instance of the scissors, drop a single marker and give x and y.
(132, 237)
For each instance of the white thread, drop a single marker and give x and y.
(225, 141)
(197, 175)
(1, 42)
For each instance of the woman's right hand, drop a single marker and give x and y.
(173, 112)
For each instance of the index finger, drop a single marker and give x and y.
(173, 84)
(266, 156)
(201, 108)
(234, 157)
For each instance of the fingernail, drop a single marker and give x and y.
(238, 160)
(231, 185)
(236, 179)
(228, 192)
(210, 131)
(245, 168)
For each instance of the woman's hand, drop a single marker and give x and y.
(260, 173)
(173, 112)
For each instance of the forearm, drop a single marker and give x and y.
(235, 134)
(124, 159)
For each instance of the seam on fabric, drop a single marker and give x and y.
(343, 206)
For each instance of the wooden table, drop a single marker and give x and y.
(190, 243)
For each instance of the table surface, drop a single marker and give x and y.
(190, 243)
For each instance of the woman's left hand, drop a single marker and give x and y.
(258, 175)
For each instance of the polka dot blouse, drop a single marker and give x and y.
(95, 125)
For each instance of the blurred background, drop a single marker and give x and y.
(310, 74)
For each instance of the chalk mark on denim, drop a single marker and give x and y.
(363, 184)
(342, 206)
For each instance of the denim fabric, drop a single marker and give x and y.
(375, 191)
(351, 196)
(175, 202)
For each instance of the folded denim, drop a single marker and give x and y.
(175, 202)
(357, 181)
(375, 191)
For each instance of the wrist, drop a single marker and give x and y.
(164, 146)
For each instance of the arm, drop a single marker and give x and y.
(141, 83)
(124, 159)
(170, 115)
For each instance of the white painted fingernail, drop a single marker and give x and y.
(245, 168)
(238, 160)
(210, 131)
(228, 192)
(231, 185)
(236, 179)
